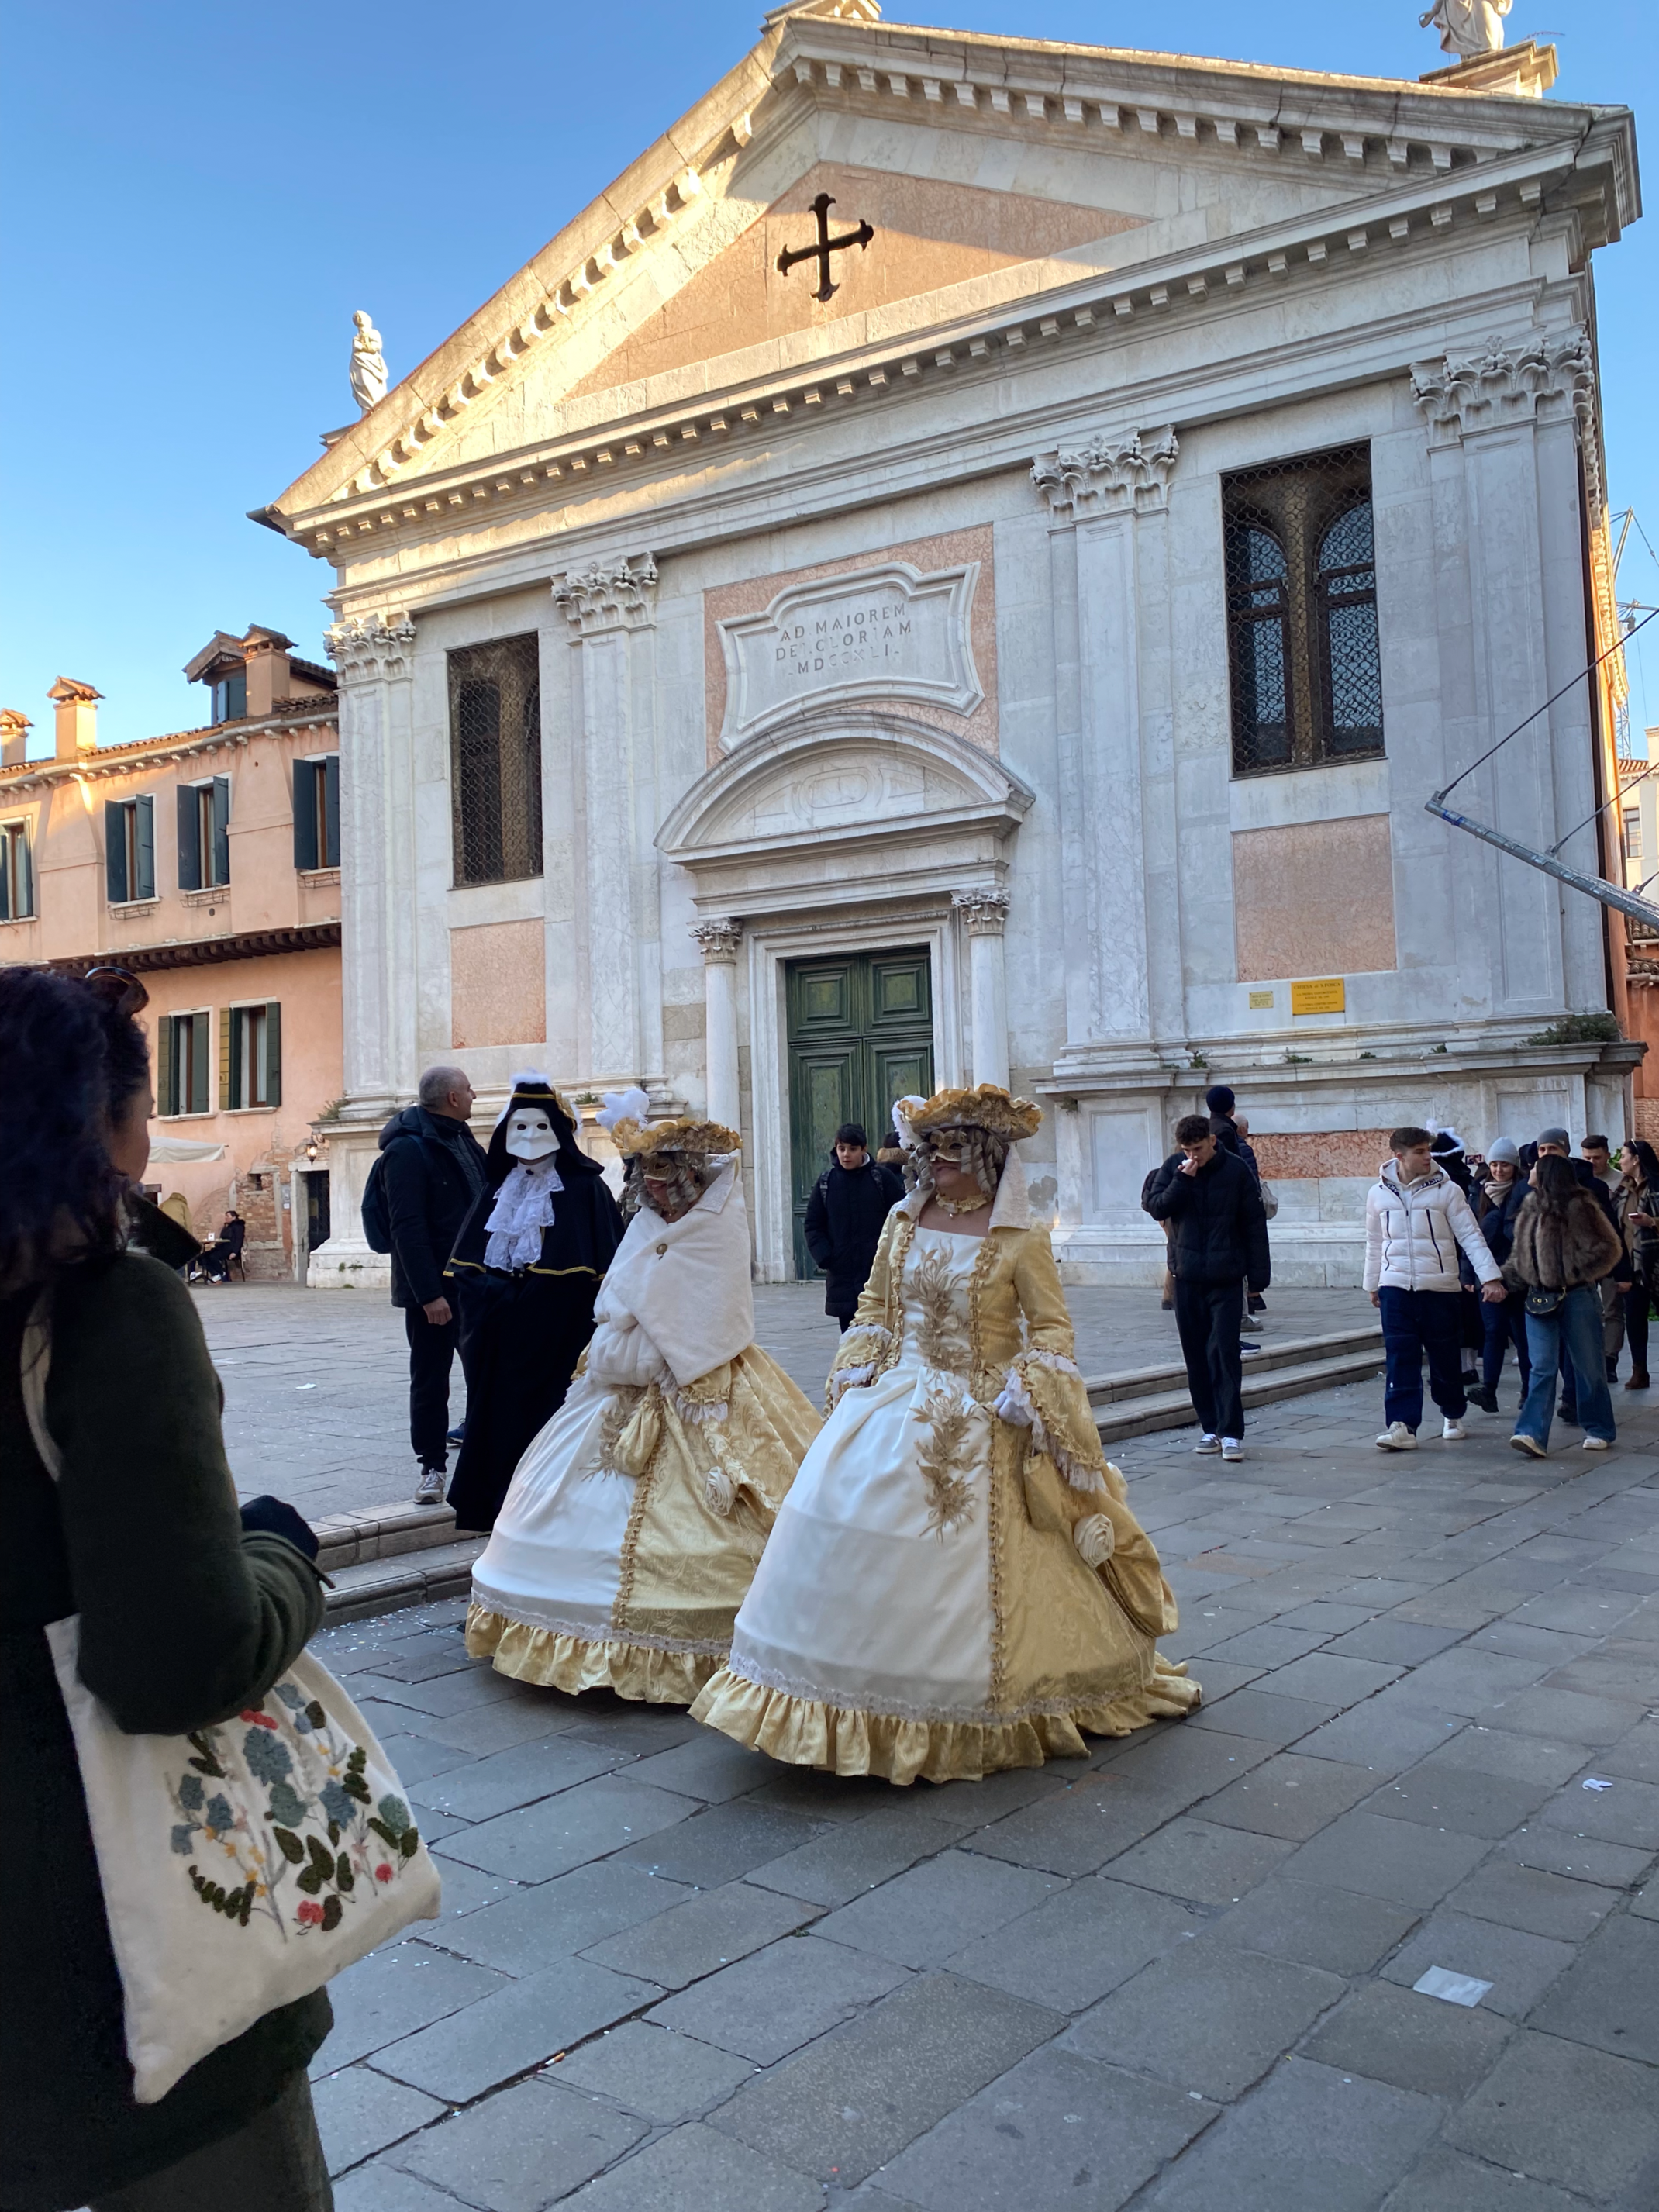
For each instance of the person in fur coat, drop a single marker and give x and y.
(1564, 1246)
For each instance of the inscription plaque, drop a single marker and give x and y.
(886, 633)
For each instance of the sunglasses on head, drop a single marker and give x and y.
(120, 991)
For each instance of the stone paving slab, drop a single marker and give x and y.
(1176, 1975)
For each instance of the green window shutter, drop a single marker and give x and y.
(331, 773)
(190, 840)
(145, 847)
(9, 908)
(199, 1101)
(115, 851)
(273, 1052)
(23, 890)
(305, 815)
(222, 829)
(164, 1099)
(229, 1060)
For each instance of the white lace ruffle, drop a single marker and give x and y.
(588, 1631)
(1025, 1415)
(1014, 1405)
(522, 1212)
(1055, 1361)
(698, 1410)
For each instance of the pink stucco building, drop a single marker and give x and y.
(208, 863)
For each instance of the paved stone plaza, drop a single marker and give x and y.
(671, 1976)
(317, 1382)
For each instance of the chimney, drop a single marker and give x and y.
(76, 707)
(265, 658)
(14, 736)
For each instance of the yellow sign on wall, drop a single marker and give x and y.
(1259, 999)
(1324, 994)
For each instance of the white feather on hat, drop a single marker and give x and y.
(629, 1105)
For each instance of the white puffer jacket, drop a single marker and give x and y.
(1413, 1232)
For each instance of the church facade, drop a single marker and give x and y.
(1017, 646)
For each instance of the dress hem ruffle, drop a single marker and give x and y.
(551, 1659)
(840, 1740)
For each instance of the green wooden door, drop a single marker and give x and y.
(860, 1033)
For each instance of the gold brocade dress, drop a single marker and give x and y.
(632, 1528)
(926, 1604)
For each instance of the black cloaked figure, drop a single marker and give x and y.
(525, 1269)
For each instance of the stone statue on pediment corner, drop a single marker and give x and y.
(1468, 27)
(368, 363)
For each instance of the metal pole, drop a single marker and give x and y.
(1597, 887)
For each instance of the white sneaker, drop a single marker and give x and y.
(1530, 1445)
(1591, 1444)
(1208, 1443)
(1232, 1447)
(429, 1490)
(1397, 1438)
(1451, 1431)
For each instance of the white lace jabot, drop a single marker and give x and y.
(522, 1210)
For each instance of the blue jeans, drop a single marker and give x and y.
(1573, 1329)
(1415, 1323)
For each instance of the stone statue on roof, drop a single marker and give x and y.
(1468, 27)
(368, 362)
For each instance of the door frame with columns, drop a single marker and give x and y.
(841, 832)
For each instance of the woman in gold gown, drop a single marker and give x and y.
(634, 1520)
(956, 1582)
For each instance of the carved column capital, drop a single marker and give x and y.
(609, 595)
(1510, 379)
(984, 909)
(719, 940)
(366, 646)
(1113, 471)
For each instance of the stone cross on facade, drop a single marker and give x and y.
(824, 247)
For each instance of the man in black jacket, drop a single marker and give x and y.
(850, 1201)
(434, 1169)
(1218, 1242)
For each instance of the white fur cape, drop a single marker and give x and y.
(686, 1283)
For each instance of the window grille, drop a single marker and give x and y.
(1301, 568)
(16, 873)
(496, 761)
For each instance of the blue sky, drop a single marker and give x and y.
(201, 195)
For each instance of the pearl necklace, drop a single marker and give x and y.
(954, 1205)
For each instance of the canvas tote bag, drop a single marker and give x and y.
(243, 1865)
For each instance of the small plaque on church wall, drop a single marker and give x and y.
(1324, 994)
(885, 633)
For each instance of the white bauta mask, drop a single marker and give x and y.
(529, 1134)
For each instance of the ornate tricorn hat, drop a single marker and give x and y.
(687, 1136)
(987, 1106)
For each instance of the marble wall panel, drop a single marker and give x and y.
(497, 985)
(1313, 898)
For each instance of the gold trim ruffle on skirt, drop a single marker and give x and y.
(802, 1733)
(556, 1662)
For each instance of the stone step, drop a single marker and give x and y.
(381, 1532)
(1285, 1352)
(1173, 1409)
(411, 1577)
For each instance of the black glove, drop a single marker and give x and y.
(272, 1516)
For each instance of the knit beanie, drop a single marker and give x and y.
(1219, 1098)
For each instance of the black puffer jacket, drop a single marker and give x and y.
(1218, 1232)
(435, 1169)
(844, 1217)
(1496, 1216)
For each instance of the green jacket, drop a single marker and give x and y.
(184, 1622)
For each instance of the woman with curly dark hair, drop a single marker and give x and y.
(188, 1611)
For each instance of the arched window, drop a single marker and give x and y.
(496, 761)
(1353, 666)
(1258, 604)
(1301, 573)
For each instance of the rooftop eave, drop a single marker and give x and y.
(145, 752)
(1539, 179)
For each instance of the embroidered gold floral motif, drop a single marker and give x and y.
(945, 1459)
(940, 1338)
(616, 1415)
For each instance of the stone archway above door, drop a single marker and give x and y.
(841, 808)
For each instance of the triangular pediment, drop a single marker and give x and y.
(992, 172)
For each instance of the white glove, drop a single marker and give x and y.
(1014, 1406)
